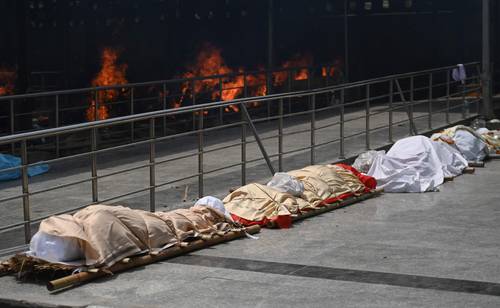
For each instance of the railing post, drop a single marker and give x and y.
(164, 118)
(410, 109)
(313, 127)
(132, 124)
(342, 102)
(367, 117)
(243, 150)
(465, 104)
(309, 77)
(193, 100)
(269, 86)
(328, 68)
(152, 165)
(93, 146)
(289, 79)
(200, 153)
(26, 196)
(245, 86)
(221, 109)
(447, 96)
(12, 127)
(391, 101)
(430, 101)
(280, 135)
(57, 125)
(96, 105)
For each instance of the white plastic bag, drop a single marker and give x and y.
(286, 183)
(365, 160)
(214, 203)
(55, 248)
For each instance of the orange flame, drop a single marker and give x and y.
(325, 71)
(296, 61)
(7, 78)
(111, 73)
(210, 62)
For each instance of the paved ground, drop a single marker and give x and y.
(435, 249)
(216, 183)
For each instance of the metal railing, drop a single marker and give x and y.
(427, 93)
(66, 107)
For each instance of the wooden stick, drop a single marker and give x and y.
(476, 164)
(83, 277)
(186, 190)
(468, 170)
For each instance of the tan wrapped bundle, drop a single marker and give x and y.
(107, 234)
(196, 221)
(258, 204)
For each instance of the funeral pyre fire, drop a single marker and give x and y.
(209, 62)
(230, 83)
(7, 79)
(111, 73)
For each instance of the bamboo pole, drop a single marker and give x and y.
(83, 277)
(331, 207)
(468, 170)
(476, 164)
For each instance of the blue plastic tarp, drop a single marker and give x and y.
(9, 161)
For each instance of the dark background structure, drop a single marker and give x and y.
(56, 44)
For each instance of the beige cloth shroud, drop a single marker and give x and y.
(108, 234)
(256, 202)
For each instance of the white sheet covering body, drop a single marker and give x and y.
(416, 164)
(472, 145)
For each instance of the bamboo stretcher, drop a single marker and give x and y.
(476, 164)
(132, 262)
(331, 207)
(467, 170)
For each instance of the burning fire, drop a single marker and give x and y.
(210, 62)
(325, 71)
(111, 73)
(296, 61)
(7, 78)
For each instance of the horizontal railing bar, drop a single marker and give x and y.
(296, 150)
(356, 134)
(262, 139)
(156, 82)
(327, 125)
(180, 110)
(177, 180)
(59, 187)
(125, 195)
(123, 171)
(296, 132)
(222, 168)
(260, 158)
(11, 198)
(327, 142)
(223, 147)
(175, 158)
